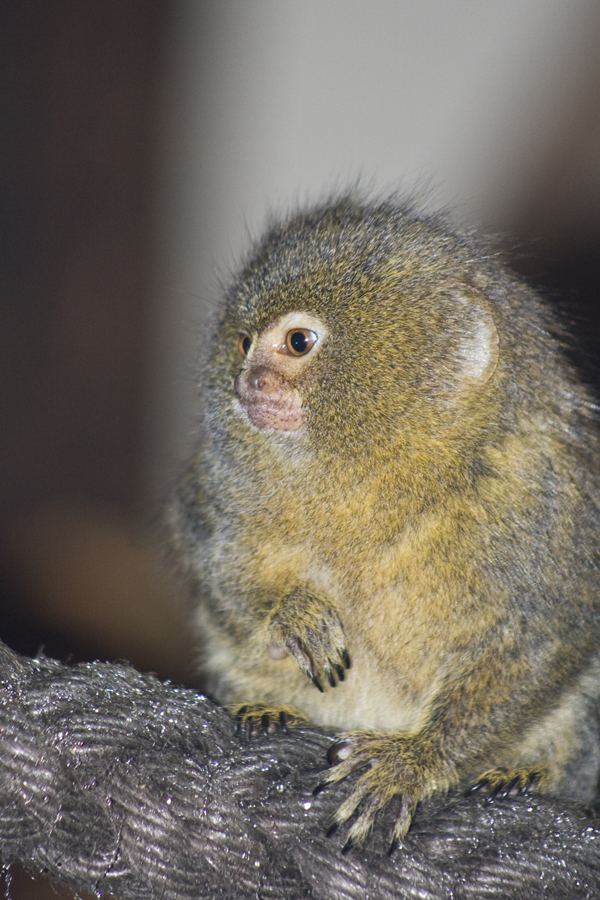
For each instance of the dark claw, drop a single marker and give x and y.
(347, 847)
(331, 678)
(475, 788)
(393, 847)
(346, 658)
(511, 786)
(320, 787)
(283, 721)
(340, 671)
(332, 829)
(535, 779)
(493, 795)
(239, 719)
(265, 722)
(316, 682)
(334, 750)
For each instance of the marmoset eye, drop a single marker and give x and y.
(299, 341)
(244, 344)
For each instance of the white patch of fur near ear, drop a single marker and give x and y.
(478, 348)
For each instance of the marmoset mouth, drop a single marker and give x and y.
(268, 400)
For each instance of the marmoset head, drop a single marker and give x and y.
(354, 324)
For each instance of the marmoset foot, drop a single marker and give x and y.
(399, 767)
(256, 718)
(500, 783)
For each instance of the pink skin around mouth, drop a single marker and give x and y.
(269, 401)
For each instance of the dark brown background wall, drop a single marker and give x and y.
(78, 87)
(79, 82)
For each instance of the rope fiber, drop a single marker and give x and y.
(115, 783)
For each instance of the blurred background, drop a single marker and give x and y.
(141, 142)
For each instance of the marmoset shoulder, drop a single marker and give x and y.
(392, 520)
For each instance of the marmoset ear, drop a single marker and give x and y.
(476, 347)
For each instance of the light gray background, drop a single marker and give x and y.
(268, 102)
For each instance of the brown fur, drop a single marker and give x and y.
(419, 492)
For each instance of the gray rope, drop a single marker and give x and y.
(113, 782)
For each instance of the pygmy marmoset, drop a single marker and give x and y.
(392, 520)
